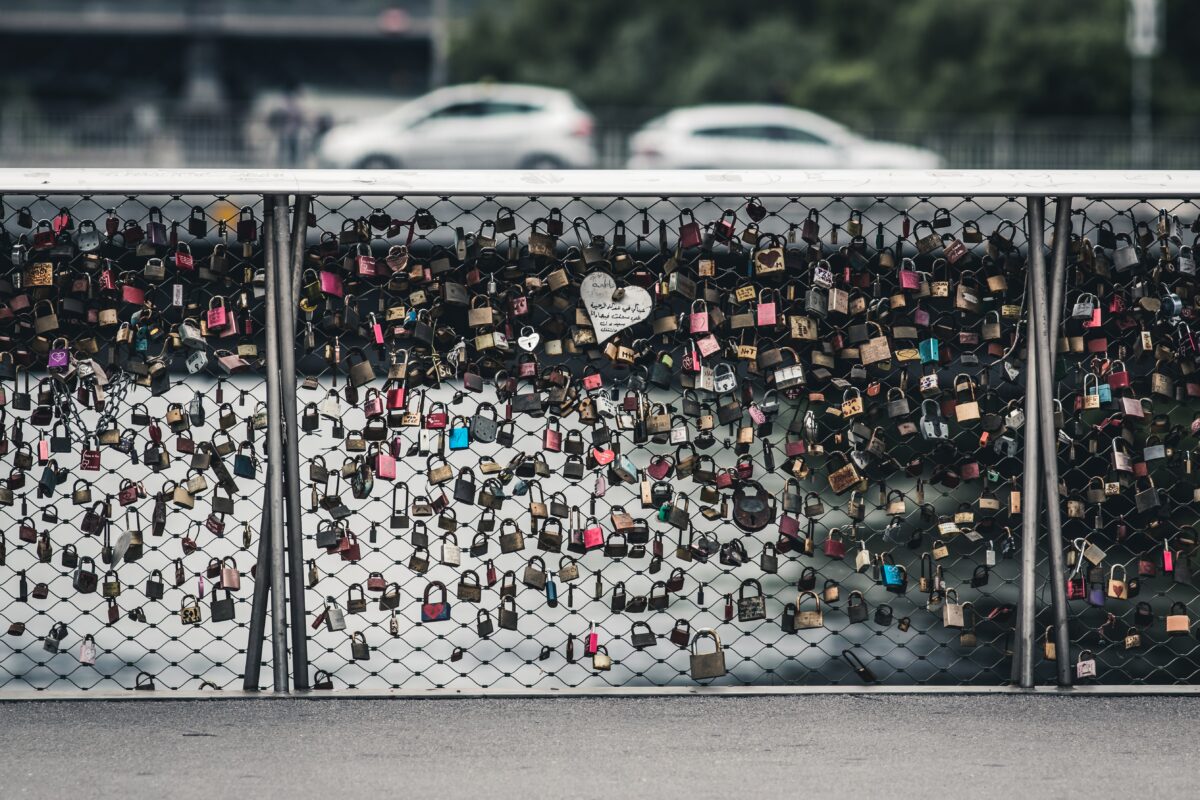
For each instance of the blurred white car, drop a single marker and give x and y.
(472, 126)
(763, 137)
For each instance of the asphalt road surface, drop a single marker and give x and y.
(662, 747)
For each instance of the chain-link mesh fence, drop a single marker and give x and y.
(132, 439)
(1128, 385)
(793, 422)
(808, 372)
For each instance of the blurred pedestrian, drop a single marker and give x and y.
(289, 123)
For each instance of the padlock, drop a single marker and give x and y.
(1085, 665)
(359, 649)
(705, 666)
(809, 618)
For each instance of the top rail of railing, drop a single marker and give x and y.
(609, 183)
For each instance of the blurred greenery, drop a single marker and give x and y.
(913, 61)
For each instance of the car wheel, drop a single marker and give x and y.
(378, 162)
(543, 162)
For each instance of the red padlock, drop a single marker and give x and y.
(689, 232)
(1118, 378)
(726, 226)
(593, 535)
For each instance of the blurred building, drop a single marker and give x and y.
(179, 81)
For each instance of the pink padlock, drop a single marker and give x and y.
(708, 345)
(385, 466)
(217, 316)
(757, 414)
(60, 356)
(331, 283)
(698, 319)
(373, 404)
(765, 313)
(231, 579)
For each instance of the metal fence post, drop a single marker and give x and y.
(1040, 321)
(1026, 633)
(288, 290)
(1058, 275)
(275, 251)
(258, 608)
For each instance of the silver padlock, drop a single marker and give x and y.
(1185, 263)
(1085, 667)
(933, 426)
(195, 409)
(1125, 256)
(54, 638)
(724, 379)
(789, 377)
(451, 552)
(816, 302)
(1084, 307)
(1172, 306)
(330, 407)
(196, 361)
(335, 618)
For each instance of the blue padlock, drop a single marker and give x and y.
(928, 350)
(460, 434)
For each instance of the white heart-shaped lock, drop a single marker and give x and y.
(610, 310)
(529, 338)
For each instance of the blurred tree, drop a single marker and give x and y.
(912, 61)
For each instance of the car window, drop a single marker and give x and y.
(795, 135)
(496, 107)
(774, 133)
(735, 132)
(459, 111)
(476, 110)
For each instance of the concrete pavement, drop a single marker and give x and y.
(830, 746)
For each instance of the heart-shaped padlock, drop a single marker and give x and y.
(529, 338)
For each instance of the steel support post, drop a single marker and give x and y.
(1026, 633)
(1047, 433)
(275, 268)
(288, 290)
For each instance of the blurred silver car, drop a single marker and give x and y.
(763, 137)
(472, 126)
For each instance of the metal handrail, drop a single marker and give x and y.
(616, 183)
